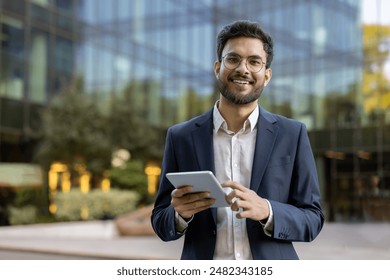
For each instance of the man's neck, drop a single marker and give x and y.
(235, 115)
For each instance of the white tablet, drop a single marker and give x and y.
(201, 181)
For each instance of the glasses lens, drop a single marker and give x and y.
(253, 64)
(231, 61)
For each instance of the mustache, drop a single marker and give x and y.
(241, 77)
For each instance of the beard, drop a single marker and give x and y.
(236, 97)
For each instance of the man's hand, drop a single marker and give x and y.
(253, 206)
(187, 204)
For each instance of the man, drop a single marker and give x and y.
(263, 160)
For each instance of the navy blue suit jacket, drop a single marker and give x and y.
(283, 172)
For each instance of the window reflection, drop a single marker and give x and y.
(331, 71)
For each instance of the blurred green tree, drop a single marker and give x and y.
(376, 84)
(130, 176)
(74, 131)
(130, 131)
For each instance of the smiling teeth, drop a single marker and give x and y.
(241, 82)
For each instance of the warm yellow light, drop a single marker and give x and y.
(55, 169)
(106, 185)
(65, 182)
(335, 155)
(53, 180)
(152, 184)
(84, 213)
(363, 155)
(58, 167)
(85, 182)
(52, 208)
(152, 171)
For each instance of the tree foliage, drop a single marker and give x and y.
(130, 131)
(130, 176)
(75, 131)
(376, 85)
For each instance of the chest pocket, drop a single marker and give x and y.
(279, 161)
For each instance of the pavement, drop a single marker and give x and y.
(101, 240)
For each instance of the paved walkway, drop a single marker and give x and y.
(100, 239)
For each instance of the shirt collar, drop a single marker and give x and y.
(219, 121)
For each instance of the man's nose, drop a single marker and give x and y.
(242, 67)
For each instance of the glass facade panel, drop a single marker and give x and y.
(65, 5)
(11, 114)
(15, 6)
(63, 61)
(64, 22)
(331, 71)
(38, 66)
(12, 53)
(39, 12)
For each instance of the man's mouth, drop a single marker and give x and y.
(242, 82)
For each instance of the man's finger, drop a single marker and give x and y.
(179, 192)
(233, 185)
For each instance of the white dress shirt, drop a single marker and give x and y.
(233, 156)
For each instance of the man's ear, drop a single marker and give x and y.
(217, 68)
(268, 76)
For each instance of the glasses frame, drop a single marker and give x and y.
(239, 63)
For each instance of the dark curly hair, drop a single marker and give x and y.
(244, 28)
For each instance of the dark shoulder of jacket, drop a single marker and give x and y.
(283, 120)
(191, 123)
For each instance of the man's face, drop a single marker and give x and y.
(240, 85)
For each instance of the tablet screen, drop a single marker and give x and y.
(201, 181)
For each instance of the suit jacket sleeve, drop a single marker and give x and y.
(301, 218)
(163, 215)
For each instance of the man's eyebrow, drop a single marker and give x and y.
(236, 54)
(232, 53)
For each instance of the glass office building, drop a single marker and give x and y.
(329, 72)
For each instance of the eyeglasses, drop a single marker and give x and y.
(253, 64)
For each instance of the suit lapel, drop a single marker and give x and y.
(202, 136)
(267, 131)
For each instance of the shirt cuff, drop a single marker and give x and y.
(268, 226)
(181, 223)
